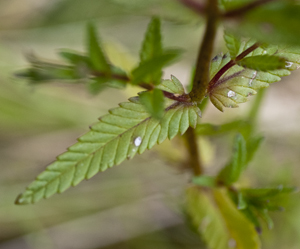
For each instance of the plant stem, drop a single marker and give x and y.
(230, 64)
(201, 78)
(193, 150)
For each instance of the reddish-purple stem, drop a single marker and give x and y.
(230, 64)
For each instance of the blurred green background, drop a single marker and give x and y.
(138, 204)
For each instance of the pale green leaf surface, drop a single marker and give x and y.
(122, 133)
(232, 43)
(206, 218)
(96, 55)
(240, 228)
(238, 83)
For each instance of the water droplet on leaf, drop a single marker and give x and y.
(232, 243)
(288, 64)
(137, 141)
(231, 94)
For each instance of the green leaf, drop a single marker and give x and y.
(276, 23)
(241, 229)
(233, 170)
(146, 69)
(238, 83)
(218, 221)
(153, 102)
(215, 130)
(252, 146)
(152, 45)
(95, 52)
(73, 57)
(152, 48)
(206, 218)
(266, 193)
(233, 4)
(233, 44)
(204, 181)
(263, 62)
(122, 133)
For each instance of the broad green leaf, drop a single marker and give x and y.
(218, 221)
(238, 83)
(263, 62)
(95, 52)
(206, 218)
(241, 229)
(204, 180)
(153, 102)
(122, 133)
(233, 44)
(276, 22)
(146, 69)
(233, 170)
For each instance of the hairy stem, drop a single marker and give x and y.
(230, 64)
(201, 78)
(193, 150)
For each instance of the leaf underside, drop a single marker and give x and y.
(218, 221)
(238, 83)
(119, 135)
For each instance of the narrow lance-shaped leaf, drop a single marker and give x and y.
(263, 62)
(152, 48)
(95, 52)
(122, 133)
(233, 170)
(233, 44)
(149, 68)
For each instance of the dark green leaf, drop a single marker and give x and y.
(233, 4)
(266, 193)
(153, 102)
(152, 45)
(95, 52)
(263, 62)
(74, 57)
(233, 170)
(274, 23)
(147, 68)
(264, 214)
(205, 181)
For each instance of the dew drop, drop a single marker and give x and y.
(231, 94)
(232, 243)
(264, 52)
(137, 141)
(288, 64)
